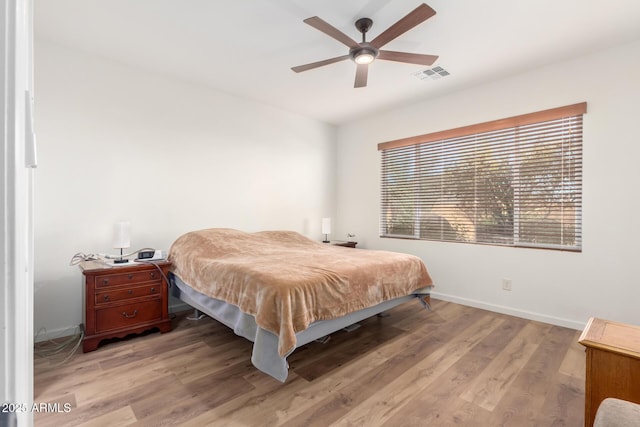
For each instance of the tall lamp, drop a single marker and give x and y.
(326, 229)
(122, 239)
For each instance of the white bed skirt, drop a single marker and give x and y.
(265, 354)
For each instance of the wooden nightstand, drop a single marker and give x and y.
(344, 243)
(613, 364)
(124, 300)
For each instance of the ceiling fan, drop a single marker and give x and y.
(365, 53)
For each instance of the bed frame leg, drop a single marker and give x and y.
(323, 340)
(197, 315)
(425, 300)
(351, 327)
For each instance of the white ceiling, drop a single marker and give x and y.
(246, 47)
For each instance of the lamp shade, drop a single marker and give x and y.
(122, 234)
(326, 225)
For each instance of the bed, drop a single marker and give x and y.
(281, 290)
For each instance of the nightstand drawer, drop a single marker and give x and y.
(120, 294)
(128, 315)
(126, 278)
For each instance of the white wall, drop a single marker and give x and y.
(121, 143)
(557, 287)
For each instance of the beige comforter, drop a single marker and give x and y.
(288, 281)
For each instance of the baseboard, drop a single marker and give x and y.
(67, 331)
(559, 321)
(177, 306)
(181, 306)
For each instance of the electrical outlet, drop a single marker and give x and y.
(506, 284)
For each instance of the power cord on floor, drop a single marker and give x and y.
(51, 348)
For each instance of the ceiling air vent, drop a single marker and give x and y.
(433, 73)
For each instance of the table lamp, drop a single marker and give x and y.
(326, 229)
(122, 239)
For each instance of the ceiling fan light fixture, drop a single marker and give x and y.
(363, 55)
(364, 58)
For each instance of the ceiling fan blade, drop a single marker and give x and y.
(331, 31)
(413, 18)
(411, 58)
(361, 75)
(313, 65)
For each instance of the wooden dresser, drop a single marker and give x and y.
(124, 300)
(613, 364)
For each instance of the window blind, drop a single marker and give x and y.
(516, 182)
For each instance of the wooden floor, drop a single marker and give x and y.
(455, 365)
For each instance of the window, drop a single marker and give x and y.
(514, 182)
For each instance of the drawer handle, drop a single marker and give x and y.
(130, 276)
(105, 281)
(153, 290)
(129, 316)
(130, 291)
(153, 275)
(106, 297)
